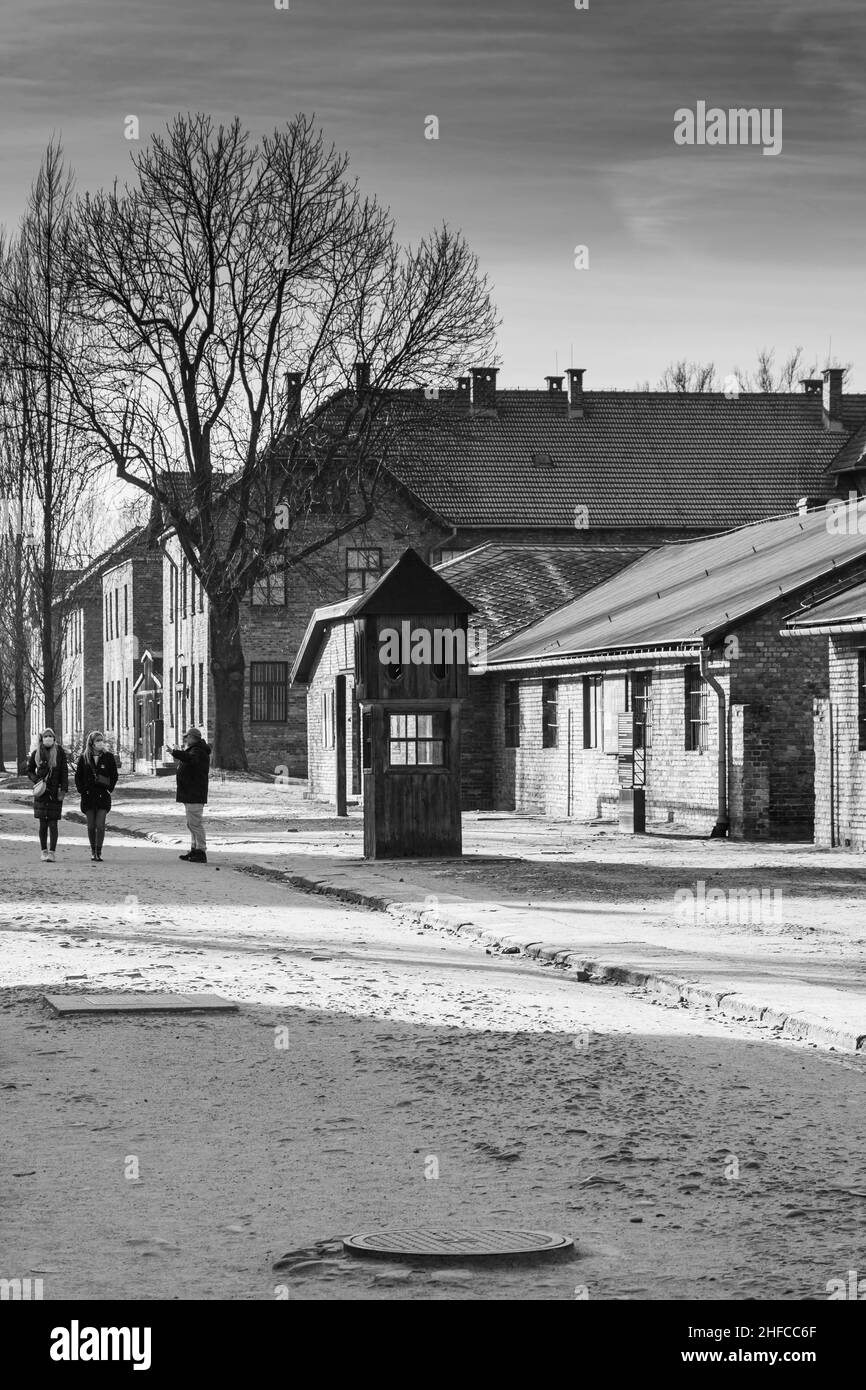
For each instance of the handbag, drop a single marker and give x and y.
(40, 788)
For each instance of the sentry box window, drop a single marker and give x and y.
(417, 740)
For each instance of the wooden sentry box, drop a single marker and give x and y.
(411, 674)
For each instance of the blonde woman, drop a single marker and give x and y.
(95, 780)
(48, 770)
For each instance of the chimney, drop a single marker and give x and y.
(575, 390)
(362, 377)
(554, 384)
(812, 385)
(293, 393)
(484, 388)
(833, 398)
(463, 389)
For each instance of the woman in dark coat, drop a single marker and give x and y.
(95, 780)
(48, 770)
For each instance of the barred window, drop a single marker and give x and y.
(549, 714)
(696, 710)
(512, 714)
(416, 740)
(363, 569)
(593, 711)
(640, 697)
(269, 692)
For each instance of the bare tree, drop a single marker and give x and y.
(687, 376)
(228, 293)
(48, 461)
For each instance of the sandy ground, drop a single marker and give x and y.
(686, 1156)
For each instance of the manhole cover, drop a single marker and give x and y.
(458, 1244)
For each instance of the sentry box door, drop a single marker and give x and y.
(412, 787)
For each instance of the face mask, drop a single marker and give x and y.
(48, 743)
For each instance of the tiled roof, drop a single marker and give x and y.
(633, 458)
(512, 585)
(683, 594)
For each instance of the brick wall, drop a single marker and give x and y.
(840, 765)
(774, 683)
(185, 652)
(770, 685)
(337, 655)
(273, 633)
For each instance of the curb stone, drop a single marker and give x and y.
(670, 989)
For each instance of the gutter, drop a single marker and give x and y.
(602, 657)
(722, 826)
(823, 629)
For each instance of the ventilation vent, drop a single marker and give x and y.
(542, 459)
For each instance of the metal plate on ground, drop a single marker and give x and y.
(138, 1003)
(448, 1244)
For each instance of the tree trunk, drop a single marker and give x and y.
(22, 736)
(2, 703)
(227, 669)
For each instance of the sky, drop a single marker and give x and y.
(556, 131)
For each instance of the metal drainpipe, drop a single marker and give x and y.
(722, 825)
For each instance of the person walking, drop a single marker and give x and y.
(95, 780)
(48, 770)
(192, 780)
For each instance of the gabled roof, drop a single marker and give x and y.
(633, 459)
(409, 586)
(515, 583)
(683, 595)
(108, 559)
(843, 611)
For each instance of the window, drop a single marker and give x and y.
(192, 694)
(200, 598)
(118, 725)
(512, 714)
(445, 555)
(126, 702)
(201, 693)
(640, 701)
(117, 612)
(107, 713)
(366, 741)
(270, 590)
(328, 720)
(172, 702)
(171, 583)
(269, 692)
(696, 710)
(593, 711)
(126, 610)
(183, 569)
(363, 569)
(105, 633)
(549, 731)
(416, 740)
(192, 591)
